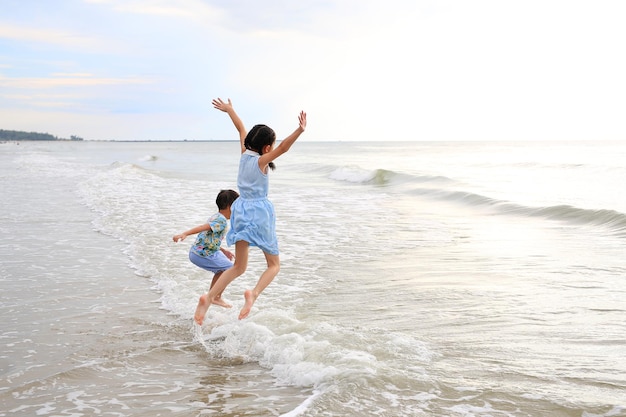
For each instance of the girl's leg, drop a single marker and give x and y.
(218, 298)
(273, 267)
(238, 268)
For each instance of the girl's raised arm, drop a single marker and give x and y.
(285, 144)
(219, 104)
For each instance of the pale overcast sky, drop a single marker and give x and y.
(361, 69)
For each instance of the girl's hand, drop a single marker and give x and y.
(302, 120)
(219, 104)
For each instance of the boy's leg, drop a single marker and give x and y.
(273, 267)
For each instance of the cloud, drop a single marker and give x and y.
(62, 38)
(55, 82)
(195, 10)
(68, 81)
(63, 123)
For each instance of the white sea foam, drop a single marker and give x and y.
(352, 174)
(149, 158)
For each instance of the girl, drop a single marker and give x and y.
(252, 214)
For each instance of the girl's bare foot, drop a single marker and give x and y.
(203, 306)
(250, 298)
(218, 301)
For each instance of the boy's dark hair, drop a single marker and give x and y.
(225, 198)
(258, 137)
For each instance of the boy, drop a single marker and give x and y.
(207, 252)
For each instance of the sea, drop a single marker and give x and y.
(417, 279)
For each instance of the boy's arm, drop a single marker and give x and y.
(228, 108)
(195, 230)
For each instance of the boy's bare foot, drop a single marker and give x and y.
(250, 298)
(218, 301)
(203, 306)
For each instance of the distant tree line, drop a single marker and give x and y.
(18, 135)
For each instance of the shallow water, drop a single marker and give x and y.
(439, 279)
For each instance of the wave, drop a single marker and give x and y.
(609, 218)
(613, 220)
(125, 167)
(438, 187)
(381, 176)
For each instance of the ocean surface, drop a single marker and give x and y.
(418, 279)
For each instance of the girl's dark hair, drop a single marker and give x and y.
(259, 137)
(225, 198)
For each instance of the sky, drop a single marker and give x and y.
(363, 70)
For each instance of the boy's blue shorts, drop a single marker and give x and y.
(218, 262)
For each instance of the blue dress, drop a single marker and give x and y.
(252, 215)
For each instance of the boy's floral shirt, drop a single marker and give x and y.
(209, 241)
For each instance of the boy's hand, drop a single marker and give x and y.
(179, 238)
(219, 104)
